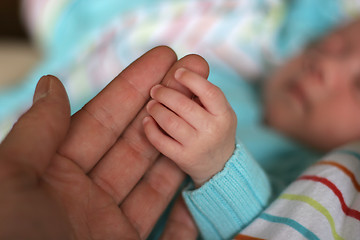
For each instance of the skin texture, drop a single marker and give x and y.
(315, 97)
(93, 175)
(199, 136)
(180, 224)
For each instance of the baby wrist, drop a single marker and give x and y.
(219, 166)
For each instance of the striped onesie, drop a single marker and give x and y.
(323, 203)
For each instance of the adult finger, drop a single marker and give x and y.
(180, 224)
(96, 127)
(36, 136)
(152, 195)
(127, 161)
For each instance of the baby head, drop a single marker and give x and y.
(315, 97)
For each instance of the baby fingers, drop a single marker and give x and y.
(210, 95)
(170, 123)
(187, 109)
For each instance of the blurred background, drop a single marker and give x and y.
(17, 55)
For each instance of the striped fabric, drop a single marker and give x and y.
(323, 203)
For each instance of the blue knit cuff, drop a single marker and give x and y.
(231, 199)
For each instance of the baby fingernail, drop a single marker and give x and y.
(150, 104)
(153, 89)
(146, 119)
(179, 73)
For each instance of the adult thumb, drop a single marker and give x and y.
(37, 134)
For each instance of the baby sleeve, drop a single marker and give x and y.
(231, 199)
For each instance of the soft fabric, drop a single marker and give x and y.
(216, 205)
(323, 203)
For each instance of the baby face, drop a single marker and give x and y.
(315, 97)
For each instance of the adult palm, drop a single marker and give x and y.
(93, 175)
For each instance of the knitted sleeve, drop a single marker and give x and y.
(231, 199)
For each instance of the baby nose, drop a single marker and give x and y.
(336, 76)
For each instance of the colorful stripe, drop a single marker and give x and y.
(348, 211)
(343, 169)
(246, 237)
(318, 207)
(291, 223)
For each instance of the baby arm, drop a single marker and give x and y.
(197, 134)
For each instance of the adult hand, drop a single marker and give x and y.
(180, 224)
(94, 175)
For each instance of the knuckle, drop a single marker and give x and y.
(157, 143)
(185, 106)
(17, 175)
(172, 123)
(103, 117)
(233, 117)
(221, 126)
(212, 92)
(212, 129)
(230, 120)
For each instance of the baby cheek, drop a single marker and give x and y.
(278, 116)
(331, 126)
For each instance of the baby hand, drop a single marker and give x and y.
(197, 134)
